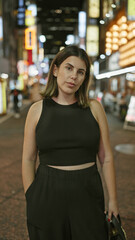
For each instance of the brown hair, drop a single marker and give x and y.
(51, 89)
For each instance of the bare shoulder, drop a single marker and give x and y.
(34, 112)
(96, 108)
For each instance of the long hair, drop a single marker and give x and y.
(51, 89)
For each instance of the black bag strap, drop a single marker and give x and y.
(117, 224)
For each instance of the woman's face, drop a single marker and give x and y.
(70, 74)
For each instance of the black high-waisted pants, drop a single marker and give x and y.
(66, 205)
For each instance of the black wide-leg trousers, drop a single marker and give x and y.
(66, 205)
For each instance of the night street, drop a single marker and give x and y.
(12, 200)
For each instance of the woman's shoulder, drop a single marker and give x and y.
(96, 107)
(94, 103)
(35, 111)
(36, 107)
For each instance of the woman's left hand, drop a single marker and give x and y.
(112, 209)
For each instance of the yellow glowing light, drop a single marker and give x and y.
(115, 34)
(115, 47)
(123, 34)
(123, 40)
(123, 26)
(108, 34)
(30, 38)
(115, 27)
(108, 45)
(115, 40)
(108, 40)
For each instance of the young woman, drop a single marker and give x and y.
(67, 131)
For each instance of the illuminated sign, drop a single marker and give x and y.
(82, 24)
(33, 9)
(30, 38)
(94, 8)
(1, 28)
(92, 44)
(21, 13)
(2, 97)
(29, 19)
(131, 10)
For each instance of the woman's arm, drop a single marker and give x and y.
(106, 157)
(29, 155)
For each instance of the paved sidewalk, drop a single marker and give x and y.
(12, 200)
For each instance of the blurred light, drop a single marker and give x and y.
(102, 22)
(61, 48)
(108, 15)
(42, 38)
(113, 5)
(4, 75)
(27, 3)
(70, 39)
(123, 40)
(59, 11)
(115, 27)
(108, 34)
(1, 28)
(82, 24)
(115, 47)
(115, 34)
(115, 73)
(33, 8)
(43, 65)
(115, 40)
(108, 40)
(108, 45)
(108, 53)
(102, 56)
(32, 70)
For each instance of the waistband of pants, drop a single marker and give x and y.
(47, 170)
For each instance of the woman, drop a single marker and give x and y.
(67, 131)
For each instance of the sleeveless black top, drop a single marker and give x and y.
(66, 134)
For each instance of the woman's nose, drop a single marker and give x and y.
(74, 75)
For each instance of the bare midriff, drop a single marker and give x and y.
(74, 167)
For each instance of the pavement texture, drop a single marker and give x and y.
(12, 200)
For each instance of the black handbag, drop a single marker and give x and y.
(115, 229)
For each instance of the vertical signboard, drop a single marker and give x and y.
(92, 45)
(131, 10)
(130, 117)
(94, 8)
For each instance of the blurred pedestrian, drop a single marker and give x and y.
(122, 107)
(16, 93)
(67, 130)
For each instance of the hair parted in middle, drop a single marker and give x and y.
(51, 88)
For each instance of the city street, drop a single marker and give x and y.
(12, 200)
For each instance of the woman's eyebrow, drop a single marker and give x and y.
(73, 67)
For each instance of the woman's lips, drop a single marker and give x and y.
(71, 84)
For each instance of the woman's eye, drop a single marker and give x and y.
(69, 68)
(81, 72)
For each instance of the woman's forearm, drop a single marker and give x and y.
(28, 173)
(108, 170)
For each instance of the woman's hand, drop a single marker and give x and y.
(112, 209)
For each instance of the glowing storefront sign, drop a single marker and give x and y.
(21, 13)
(29, 19)
(2, 97)
(82, 24)
(33, 9)
(30, 38)
(92, 45)
(94, 8)
(1, 28)
(131, 10)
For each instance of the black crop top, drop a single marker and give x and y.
(66, 134)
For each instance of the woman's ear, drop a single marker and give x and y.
(55, 70)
